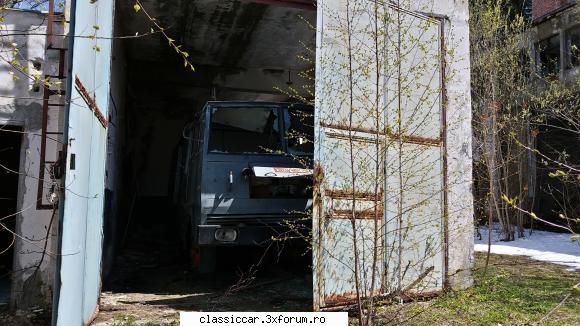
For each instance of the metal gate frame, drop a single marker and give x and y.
(320, 302)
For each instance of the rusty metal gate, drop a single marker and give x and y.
(379, 215)
(86, 131)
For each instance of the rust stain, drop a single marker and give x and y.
(349, 298)
(91, 102)
(318, 176)
(336, 302)
(415, 139)
(318, 179)
(387, 132)
(340, 299)
(353, 138)
(346, 128)
(345, 194)
(367, 214)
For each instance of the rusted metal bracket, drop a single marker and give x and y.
(91, 102)
(346, 127)
(397, 136)
(361, 195)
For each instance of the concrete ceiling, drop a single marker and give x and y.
(238, 46)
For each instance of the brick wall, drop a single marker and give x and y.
(543, 7)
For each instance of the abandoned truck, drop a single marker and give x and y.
(243, 175)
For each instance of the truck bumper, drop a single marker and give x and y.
(250, 235)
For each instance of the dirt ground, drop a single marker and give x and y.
(32, 317)
(150, 287)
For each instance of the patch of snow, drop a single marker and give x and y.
(551, 247)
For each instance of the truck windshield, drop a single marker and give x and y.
(299, 135)
(245, 130)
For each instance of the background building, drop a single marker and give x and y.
(555, 44)
(31, 125)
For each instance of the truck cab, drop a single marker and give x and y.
(243, 175)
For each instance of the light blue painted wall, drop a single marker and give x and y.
(82, 229)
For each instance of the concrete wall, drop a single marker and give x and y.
(21, 104)
(544, 7)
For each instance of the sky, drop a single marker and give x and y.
(38, 5)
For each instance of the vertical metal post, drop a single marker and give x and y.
(444, 141)
(47, 93)
(50, 20)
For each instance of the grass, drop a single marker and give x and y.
(515, 291)
(131, 320)
(124, 320)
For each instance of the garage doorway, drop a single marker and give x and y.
(251, 51)
(10, 142)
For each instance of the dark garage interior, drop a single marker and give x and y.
(10, 141)
(241, 51)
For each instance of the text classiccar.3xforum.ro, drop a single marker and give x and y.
(267, 319)
(255, 318)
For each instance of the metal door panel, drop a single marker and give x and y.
(401, 203)
(94, 235)
(349, 138)
(414, 75)
(102, 77)
(338, 260)
(414, 237)
(414, 175)
(82, 221)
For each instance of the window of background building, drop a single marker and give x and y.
(573, 43)
(548, 55)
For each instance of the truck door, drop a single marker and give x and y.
(379, 202)
(82, 220)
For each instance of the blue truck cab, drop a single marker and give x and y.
(243, 175)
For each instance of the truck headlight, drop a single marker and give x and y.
(226, 235)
